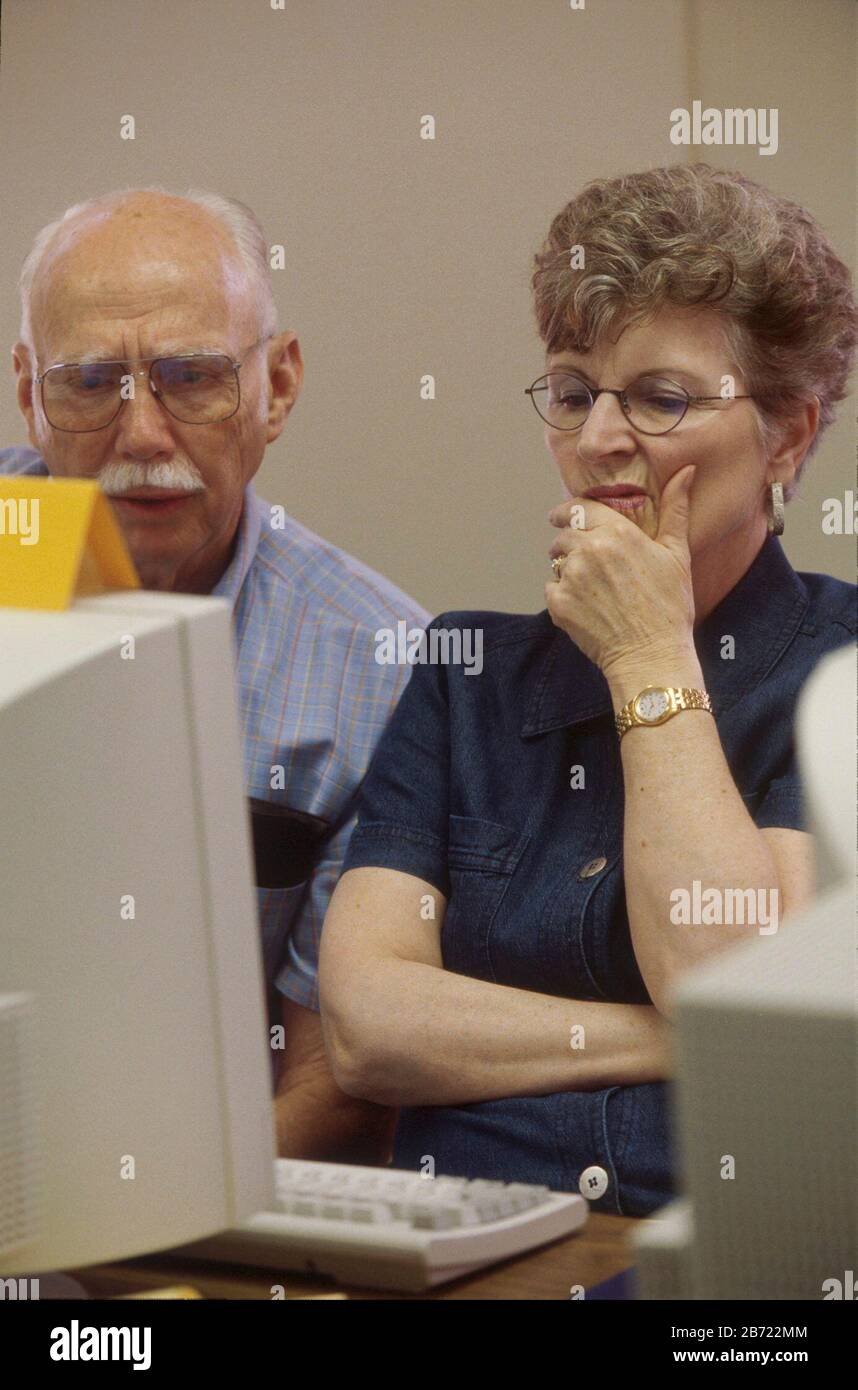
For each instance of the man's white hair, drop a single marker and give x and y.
(236, 218)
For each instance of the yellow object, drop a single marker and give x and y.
(174, 1291)
(59, 540)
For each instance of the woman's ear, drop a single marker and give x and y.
(795, 434)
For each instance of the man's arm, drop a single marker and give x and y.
(313, 1117)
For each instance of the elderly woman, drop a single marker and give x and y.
(543, 850)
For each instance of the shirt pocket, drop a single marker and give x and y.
(606, 940)
(277, 910)
(482, 856)
(286, 844)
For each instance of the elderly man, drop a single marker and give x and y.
(150, 360)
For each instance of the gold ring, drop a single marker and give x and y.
(556, 565)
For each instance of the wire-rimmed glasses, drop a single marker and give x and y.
(199, 388)
(651, 404)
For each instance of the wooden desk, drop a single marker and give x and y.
(588, 1258)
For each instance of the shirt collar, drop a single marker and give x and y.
(249, 530)
(762, 612)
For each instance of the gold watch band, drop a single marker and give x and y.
(679, 697)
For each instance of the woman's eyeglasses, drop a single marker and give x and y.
(652, 405)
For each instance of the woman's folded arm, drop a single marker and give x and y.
(402, 1030)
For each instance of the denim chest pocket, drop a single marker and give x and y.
(604, 934)
(482, 856)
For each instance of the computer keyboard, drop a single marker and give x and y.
(385, 1228)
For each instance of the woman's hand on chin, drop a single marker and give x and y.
(625, 599)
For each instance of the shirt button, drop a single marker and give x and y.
(593, 1183)
(593, 866)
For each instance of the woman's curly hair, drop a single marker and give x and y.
(693, 235)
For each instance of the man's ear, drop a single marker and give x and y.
(285, 375)
(24, 368)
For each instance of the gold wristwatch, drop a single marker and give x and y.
(655, 704)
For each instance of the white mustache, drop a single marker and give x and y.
(115, 479)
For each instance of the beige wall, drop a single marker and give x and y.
(405, 256)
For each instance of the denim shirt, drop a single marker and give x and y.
(470, 790)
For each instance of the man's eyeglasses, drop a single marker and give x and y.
(652, 405)
(200, 388)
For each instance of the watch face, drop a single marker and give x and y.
(651, 705)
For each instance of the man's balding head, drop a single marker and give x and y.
(220, 231)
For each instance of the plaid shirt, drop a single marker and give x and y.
(313, 702)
